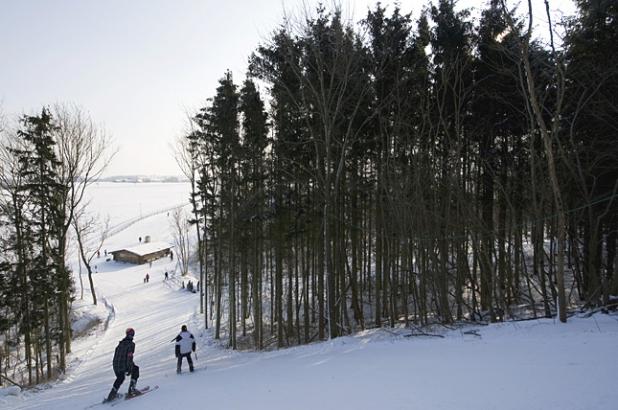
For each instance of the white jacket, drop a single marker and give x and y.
(185, 340)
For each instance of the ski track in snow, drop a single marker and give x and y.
(538, 364)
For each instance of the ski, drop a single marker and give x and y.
(142, 391)
(119, 398)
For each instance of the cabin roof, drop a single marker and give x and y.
(146, 248)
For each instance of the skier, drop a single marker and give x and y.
(123, 364)
(185, 344)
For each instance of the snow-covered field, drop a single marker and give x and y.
(128, 201)
(538, 364)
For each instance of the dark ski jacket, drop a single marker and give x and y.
(185, 343)
(123, 356)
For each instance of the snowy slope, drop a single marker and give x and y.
(534, 365)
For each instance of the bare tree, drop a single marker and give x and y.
(548, 133)
(90, 235)
(82, 149)
(187, 158)
(180, 226)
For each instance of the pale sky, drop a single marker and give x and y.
(137, 66)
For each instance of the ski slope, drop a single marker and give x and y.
(539, 364)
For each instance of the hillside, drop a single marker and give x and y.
(537, 364)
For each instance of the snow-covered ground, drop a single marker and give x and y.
(126, 201)
(538, 364)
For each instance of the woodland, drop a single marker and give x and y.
(393, 172)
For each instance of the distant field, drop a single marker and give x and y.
(123, 201)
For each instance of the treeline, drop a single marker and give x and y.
(408, 172)
(46, 163)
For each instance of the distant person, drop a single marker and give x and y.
(123, 365)
(105, 252)
(98, 254)
(185, 344)
(183, 284)
(147, 278)
(171, 255)
(166, 276)
(140, 239)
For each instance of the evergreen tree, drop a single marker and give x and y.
(39, 166)
(254, 138)
(592, 108)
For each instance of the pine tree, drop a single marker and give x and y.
(254, 142)
(39, 167)
(592, 108)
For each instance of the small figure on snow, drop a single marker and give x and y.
(171, 255)
(123, 365)
(140, 239)
(166, 276)
(147, 278)
(185, 344)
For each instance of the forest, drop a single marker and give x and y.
(400, 172)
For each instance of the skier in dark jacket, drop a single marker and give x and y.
(185, 344)
(123, 365)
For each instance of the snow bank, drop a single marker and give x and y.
(85, 316)
(10, 391)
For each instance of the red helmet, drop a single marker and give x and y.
(130, 332)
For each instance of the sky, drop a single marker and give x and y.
(140, 67)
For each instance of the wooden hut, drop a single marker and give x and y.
(143, 253)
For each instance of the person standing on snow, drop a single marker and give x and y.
(185, 344)
(123, 365)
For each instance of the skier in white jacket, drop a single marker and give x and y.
(185, 344)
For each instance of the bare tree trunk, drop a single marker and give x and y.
(547, 136)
